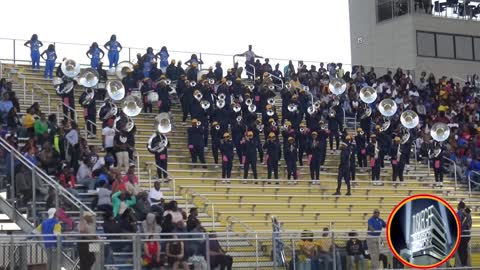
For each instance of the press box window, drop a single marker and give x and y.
(426, 44)
(445, 46)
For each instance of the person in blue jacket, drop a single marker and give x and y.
(95, 54)
(49, 55)
(34, 44)
(114, 47)
(148, 59)
(163, 55)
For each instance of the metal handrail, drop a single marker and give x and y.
(207, 200)
(93, 123)
(36, 86)
(248, 228)
(70, 109)
(281, 80)
(169, 175)
(254, 71)
(454, 170)
(470, 182)
(45, 177)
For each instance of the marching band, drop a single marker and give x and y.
(236, 114)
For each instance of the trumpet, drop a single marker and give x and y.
(199, 123)
(239, 118)
(198, 95)
(205, 104)
(248, 101)
(251, 87)
(271, 87)
(193, 83)
(317, 104)
(292, 107)
(217, 127)
(252, 108)
(331, 112)
(311, 109)
(270, 112)
(222, 96)
(229, 83)
(237, 107)
(260, 127)
(302, 129)
(211, 81)
(288, 86)
(271, 101)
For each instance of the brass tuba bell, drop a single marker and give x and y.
(70, 68)
(440, 132)
(163, 123)
(115, 89)
(271, 101)
(337, 86)
(387, 107)
(409, 119)
(132, 106)
(197, 95)
(368, 94)
(88, 77)
(123, 68)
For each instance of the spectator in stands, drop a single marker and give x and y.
(13, 120)
(34, 44)
(141, 207)
(108, 135)
(149, 225)
(127, 221)
(218, 72)
(72, 145)
(177, 216)
(31, 156)
(355, 252)
(192, 219)
(151, 256)
(23, 185)
(111, 226)
(95, 54)
(104, 202)
(67, 179)
(48, 158)
(5, 106)
(41, 129)
(121, 150)
(50, 58)
(375, 225)
(84, 173)
(114, 48)
(155, 194)
(175, 254)
(86, 256)
(66, 221)
(50, 229)
(249, 55)
(306, 251)
(466, 225)
(29, 122)
(122, 201)
(218, 256)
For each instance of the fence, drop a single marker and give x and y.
(249, 250)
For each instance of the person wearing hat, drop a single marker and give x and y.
(196, 142)
(146, 88)
(343, 169)
(163, 90)
(334, 127)
(396, 160)
(250, 156)
(86, 226)
(257, 130)
(50, 228)
(314, 153)
(360, 142)
(384, 140)
(352, 149)
(365, 123)
(270, 127)
(226, 150)
(238, 131)
(373, 155)
(303, 138)
(216, 133)
(222, 114)
(89, 112)
(272, 157)
(197, 112)
(161, 155)
(291, 155)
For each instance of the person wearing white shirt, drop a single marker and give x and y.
(84, 174)
(108, 134)
(250, 55)
(155, 194)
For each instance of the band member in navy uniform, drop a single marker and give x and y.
(271, 127)
(343, 169)
(395, 159)
(238, 131)
(87, 101)
(291, 155)
(303, 138)
(365, 124)
(216, 134)
(352, 149)
(323, 134)
(314, 154)
(195, 142)
(164, 102)
(333, 127)
(250, 156)
(114, 47)
(268, 113)
(360, 141)
(272, 148)
(257, 130)
(68, 98)
(185, 93)
(436, 155)
(226, 149)
(373, 155)
(161, 155)
(145, 90)
(223, 115)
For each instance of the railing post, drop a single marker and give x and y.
(334, 253)
(12, 174)
(34, 197)
(274, 249)
(469, 185)
(174, 188)
(24, 91)
(58, 253)
(14, 54)
(256, 251)
(137, 253)
(294, 260)
(207, 248)
(455, 175)
(213, 217)
(129, 54)
(12, 253)
(57, 199)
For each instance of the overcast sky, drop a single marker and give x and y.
(303, 29)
